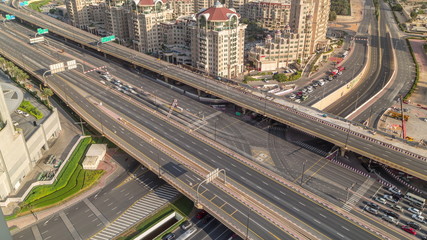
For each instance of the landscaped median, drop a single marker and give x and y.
(26, 106)
(182, 205)
(71, 180)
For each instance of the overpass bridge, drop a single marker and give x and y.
(397, 153)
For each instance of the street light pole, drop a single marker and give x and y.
(247, 224)
(348, 134)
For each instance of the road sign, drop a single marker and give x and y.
(10, 17)
(56, 68)
(22, 4)
(212, 175)
(108, 39)
(42, 30)
(71, 64)
(36, 40)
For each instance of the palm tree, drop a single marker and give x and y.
(22, 77)
(46, 93)
(9, 66)
(3, 63)
(14, 71)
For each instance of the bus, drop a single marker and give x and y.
(415, 200)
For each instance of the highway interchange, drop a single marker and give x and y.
(72, 88)
(330, 133)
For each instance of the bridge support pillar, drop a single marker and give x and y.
(343, 150)
(244, 110)
(105, 55)
(166, 79)
(199, 92)
(198, 206)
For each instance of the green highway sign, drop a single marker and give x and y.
(42, 30)
(108, 39)
(10, 17)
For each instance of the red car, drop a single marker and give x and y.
(409, 230)
(341, 68)
(201, 214)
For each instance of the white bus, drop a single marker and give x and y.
(415, 200)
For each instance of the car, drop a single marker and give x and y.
(201, 214)
(292, 96)
(310, 90)
(390, 219)
(409, 230)
(102, 81)
(191, 231)
(186, 225)
(373, 205)
(371, 210)
(315, 84)
(19, 111)
(321, 83)
(309, 87)
(419, 218)
(26, 114)
(414, 225)
(390, 198)
(304, 90)
(298, 101)
(414, 210)
(397, 196)
(132, 91)
(424, 238)
(394, 190)
(380, 200)
(117, 88)
(233, 236)
(168, 236)
(15, 123)
(106, 77)
(391, 213)
(397, 207)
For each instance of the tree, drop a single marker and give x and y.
(281, 77)
(3, 63)
(414, 15)
(332, 16)
(21, 77)
(46, 93)
(9, 66)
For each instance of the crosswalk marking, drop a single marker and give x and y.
(141, 209)
(358, 194)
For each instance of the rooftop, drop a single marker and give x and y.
(218, 13)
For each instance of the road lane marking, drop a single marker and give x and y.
(296, 209)
(322, 215)
(345, 228)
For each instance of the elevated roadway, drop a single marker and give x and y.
(184, 159)
(409, 159)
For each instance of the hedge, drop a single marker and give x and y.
(26, 106)
(417, 72)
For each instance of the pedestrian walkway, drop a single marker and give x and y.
(348, 206)
(138, 211)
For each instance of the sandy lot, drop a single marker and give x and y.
(350, 22)
(420, 94)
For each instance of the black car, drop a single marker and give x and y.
(373, 205)
(391, 213)
(414, 225)
(169, 236)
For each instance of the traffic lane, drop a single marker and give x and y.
(204, 229)
(84, 220)
(25, 234)
(54, 229)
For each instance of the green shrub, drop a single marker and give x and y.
(417, 72)
(249, 79)
(26, 106)
(36, 5)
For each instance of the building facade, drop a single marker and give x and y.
(117, 21)
(217, 45)
(296, 42)
(80, 13)
(145, 27)
(269, 14)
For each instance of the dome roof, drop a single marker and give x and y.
(218, 13)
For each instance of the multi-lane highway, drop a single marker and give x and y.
(397, 157)
(82, 92)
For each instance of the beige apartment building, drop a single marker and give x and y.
(217, 44)
(298, 41)
(117, 21)
(145, 27)
(182, 7)
(269, 14)
(80, 12)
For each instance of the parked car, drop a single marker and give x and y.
(418, 218)
(391, 213)
(169, 236)
(201, 214)
(414, 225)
(397, 207)
(371, 210)
(409, 230)
(380, 200)
(186, 225)
(373, 205)
(26, 114)
(394, 190)
(390, 198)
(19, 111)
(414, 210)
(292, 96)
(390, 219)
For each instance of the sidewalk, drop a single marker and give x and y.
(108, 165)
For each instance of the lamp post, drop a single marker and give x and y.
(348, 134)
(247, 223)
(302, 172)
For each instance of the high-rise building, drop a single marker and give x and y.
(116, 21)
(203, 4)
(80, 13)
(218, 42)
(145, 28)
(269, 14)
(297, 41)
(182, 7)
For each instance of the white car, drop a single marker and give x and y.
(414, 210)
(19, 111)
(394, 190)
(390, 219)
(380, 200)
(292, 96)
(390, 198)
(26, 114)
(419, 218)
